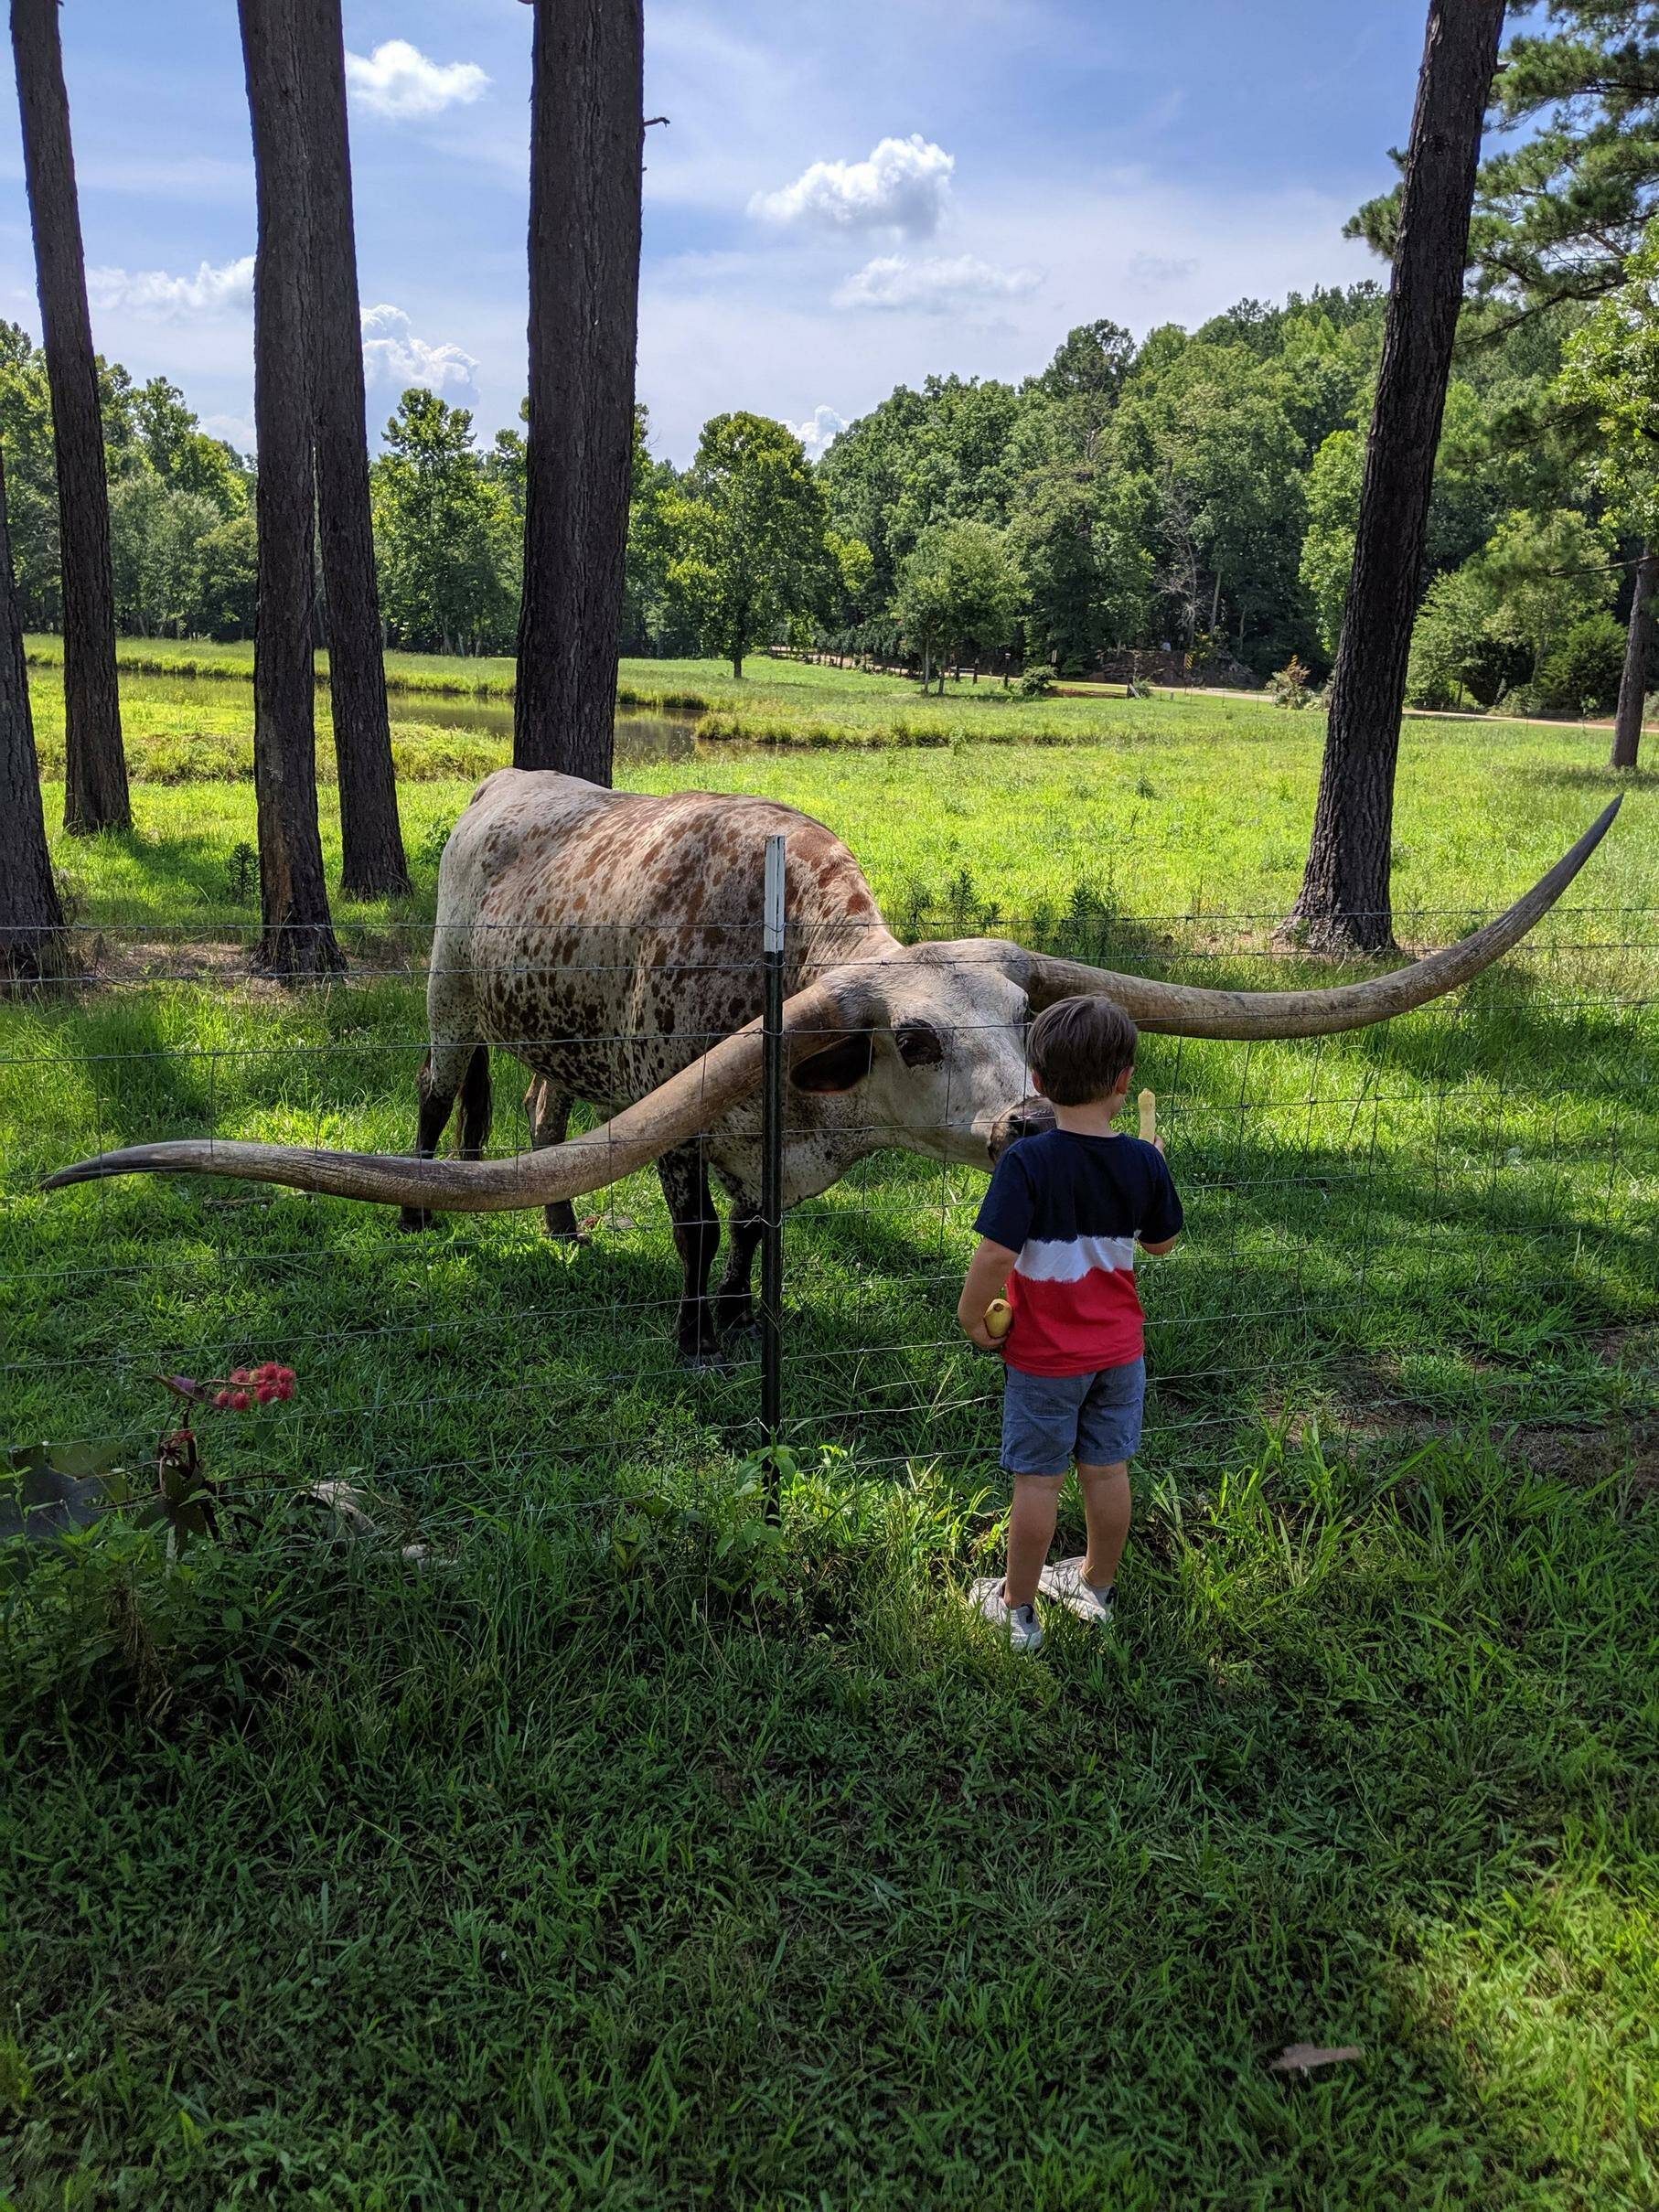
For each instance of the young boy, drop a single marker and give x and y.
(1058, 1227)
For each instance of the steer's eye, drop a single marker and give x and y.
(920, 1044)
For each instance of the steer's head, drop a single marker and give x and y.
(921, 1046)
(924, 1048)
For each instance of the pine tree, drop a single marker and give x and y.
(586, 125)
(95, 786)
(1346, 901)
(34, 942)
(297, 930)
(371, 845)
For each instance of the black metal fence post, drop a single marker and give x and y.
(772, 1166)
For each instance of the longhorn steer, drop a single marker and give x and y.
(611, 941)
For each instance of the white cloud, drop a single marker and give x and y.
(821, 426)
(399, 81)
(937, 286)
(757, 330)
(237, 430)
(394, 354)
(903, 185)
(1147, 271)
(153, 293)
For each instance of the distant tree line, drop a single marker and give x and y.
(1197, 491)
(1447, 490)
(181, 519)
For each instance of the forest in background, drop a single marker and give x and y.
(1196, 492)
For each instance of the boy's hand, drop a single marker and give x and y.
(987, 1278)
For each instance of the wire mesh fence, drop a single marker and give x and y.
(1442, 1224)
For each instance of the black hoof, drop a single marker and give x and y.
(700, 1347)
(412, 1218)
(706, 1362)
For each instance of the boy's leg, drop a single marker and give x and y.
(1031, 1531)
(1039, 1437)
(1108, 1435)
(1107, 1508)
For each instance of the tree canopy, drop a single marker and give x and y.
(748, 523)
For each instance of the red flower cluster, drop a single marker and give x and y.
(253, 1386)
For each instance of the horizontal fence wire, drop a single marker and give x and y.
(1442, 1225)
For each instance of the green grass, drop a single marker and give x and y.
(775, 702)
(449, 674)
(1187, 808)
(591, 1864)
(692, 685)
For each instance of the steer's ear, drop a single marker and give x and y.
(837, 1067)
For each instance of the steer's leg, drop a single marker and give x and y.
(550, 1120)
(446, 1070)
(685, 1185)
(735, 1301)
(478, 1109)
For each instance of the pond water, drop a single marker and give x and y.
(640, 735)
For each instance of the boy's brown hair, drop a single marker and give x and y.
(1080, 1047)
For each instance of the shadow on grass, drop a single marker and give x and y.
(1603, 780)
(1456, 1274)
(810, 1859)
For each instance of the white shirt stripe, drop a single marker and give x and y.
(1068, 1259)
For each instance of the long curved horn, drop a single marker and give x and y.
(1180, 1010)
(676, 1109)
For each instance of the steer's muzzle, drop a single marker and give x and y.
(1029, 1118)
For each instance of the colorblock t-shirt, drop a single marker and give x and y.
(1072, 1208)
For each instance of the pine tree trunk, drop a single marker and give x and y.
(95, 786)
(372, 856)
(1633, 683)
(586, 126)
(297, 934)
(34, 944)
(1345, 904)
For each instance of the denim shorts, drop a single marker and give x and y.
(1049, 1420)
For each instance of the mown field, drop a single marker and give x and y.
(1123, 814)
(619, 1854)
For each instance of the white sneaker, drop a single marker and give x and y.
(1018, 1623)
(1064, 1582)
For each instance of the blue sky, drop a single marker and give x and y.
(850, 193)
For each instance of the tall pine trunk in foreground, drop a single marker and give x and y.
(372, 859)
(1344, 903)
(34, 942)
(1633, 682)
(95, 784)
(586, 126)
(297, 932)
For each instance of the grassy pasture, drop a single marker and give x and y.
(595, 1864)
(1181, 807)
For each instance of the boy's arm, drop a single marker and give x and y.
(1158, 1246)
(988, 1272)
